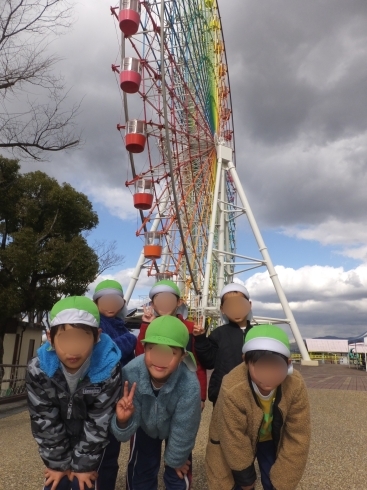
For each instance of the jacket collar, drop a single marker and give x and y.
(105, 356)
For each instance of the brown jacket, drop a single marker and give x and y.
(234, 432)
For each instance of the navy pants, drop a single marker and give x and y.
(107, 473)
(265, 455)
(144, 464)
(66, 484)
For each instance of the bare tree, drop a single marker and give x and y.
(107, 255)
(29, 127)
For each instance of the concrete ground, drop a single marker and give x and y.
(337, 459)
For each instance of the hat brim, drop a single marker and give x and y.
(266, 343)
(162, 288)
(74, 315)
(234, 287)
(107, 291)
(183, 311)
(157, 339)
(190, 362)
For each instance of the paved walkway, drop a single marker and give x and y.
(334, 377)
(337, 457)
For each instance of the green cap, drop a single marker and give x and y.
(267, 337)
(75, 309)
(108, 286)
(165, 286)
(169, 330)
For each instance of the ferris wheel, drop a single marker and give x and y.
(178, 134)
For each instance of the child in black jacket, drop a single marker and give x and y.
(222, 350)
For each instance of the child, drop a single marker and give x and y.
(222, 350)
(262, 411)
(166, 300)
(163, 404)
(73, 385)
(109, 297)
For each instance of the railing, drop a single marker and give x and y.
(324, 358)
(12, 387)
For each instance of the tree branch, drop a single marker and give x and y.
(25, 27)
(43, 128)
(51, 228)
(107, 255)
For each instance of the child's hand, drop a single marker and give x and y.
(148, 315)
(125, 407)
(181, 472)
(54, 477)
(87, 479)
(198, 329)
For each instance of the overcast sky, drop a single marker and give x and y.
(298, 74)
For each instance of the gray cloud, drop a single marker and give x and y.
(301, 64)
(298, 81)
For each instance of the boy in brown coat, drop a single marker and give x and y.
(262, 412)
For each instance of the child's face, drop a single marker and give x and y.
(162, 360)
(166, 303)
(110, 305)
(73, 346)
(236, 307)
(268, 372)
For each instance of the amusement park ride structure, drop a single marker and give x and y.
(174, 80)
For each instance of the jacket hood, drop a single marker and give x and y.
(105, 356)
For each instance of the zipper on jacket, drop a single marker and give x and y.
(281, 430)
(71, 400)
(70, 408)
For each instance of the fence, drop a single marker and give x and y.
(323, 358)
(12, 387)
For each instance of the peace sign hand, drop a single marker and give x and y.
(148, 315)
(125, 407)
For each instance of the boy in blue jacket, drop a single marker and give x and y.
(73, 385)
(109, 297)
(164, 403)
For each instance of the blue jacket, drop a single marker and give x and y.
(72, 430)
(125, 340)
(174, 414)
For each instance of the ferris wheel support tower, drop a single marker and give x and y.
(219, 217)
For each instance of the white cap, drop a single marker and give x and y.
(234, 287)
